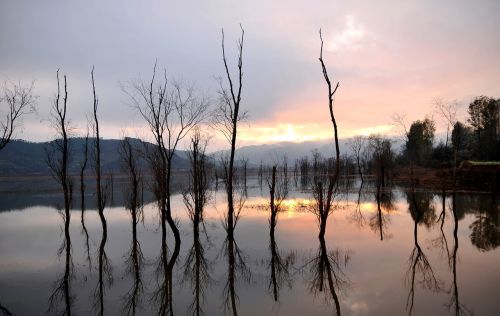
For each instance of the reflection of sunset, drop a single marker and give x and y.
(368, 207)
(293, 206)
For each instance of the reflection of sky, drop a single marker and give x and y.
(29, 241)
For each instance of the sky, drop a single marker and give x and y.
(389, 57)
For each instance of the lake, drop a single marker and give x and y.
(404, 251)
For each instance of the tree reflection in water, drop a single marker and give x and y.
(458, 308)
(357, 216)
(279, 267)
(104, 271)
(5, 311)
(384, 206)
(441, 241)
(87, 239)
(197, 266)
(62, 294)
(83, 166)
(485, 230)
(235, 258)
(327, 267)
(418, 264)
(236, 268)
(134, 204)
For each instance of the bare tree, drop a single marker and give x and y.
(196, 267)
(357, 144)
(57, 157)
(16, 100)
(171, 114)
(100, 189)
(324, 199)
(58, 152)
(278, 190)
(226, 120)
(133, 203)
(244, 165)
(83, 166)
(448, 111)
(104, 264)
(227, 117)
(382, 156)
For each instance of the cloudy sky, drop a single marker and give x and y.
(389, 56)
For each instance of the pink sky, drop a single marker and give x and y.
(390, 57)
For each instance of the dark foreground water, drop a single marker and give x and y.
(378, 257)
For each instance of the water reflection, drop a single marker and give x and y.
(458, 308)
(236, 267)
(381, 218)
(421, 207)
(441, 242)
(5, 311)
(26, 264)
(327, 267)
(485, 230)
(85, 233)
(197, 266)
(419, 266)
(83, 166)
(105, 276)
(279, 267)
(62, 293)
(357, 215)
(197, 273)
(135, 258)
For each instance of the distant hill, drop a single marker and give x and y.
(273, 153)
(26, 158)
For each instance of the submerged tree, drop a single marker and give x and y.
(226, 119)
(133, 203)
(196, 267)
(171, 113)
(58, 152)
(58, 156)
(324, 194)
(357, 144)
(16, 100)
(104, 265)
(83, 166)
(382, 157)
(279, 267)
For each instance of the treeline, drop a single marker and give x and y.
(477, 138)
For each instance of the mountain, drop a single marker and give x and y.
(26, 158)
(273, 153)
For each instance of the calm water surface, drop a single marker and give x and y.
(378, 258)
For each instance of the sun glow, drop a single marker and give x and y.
(283, 132)
(296, 133)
